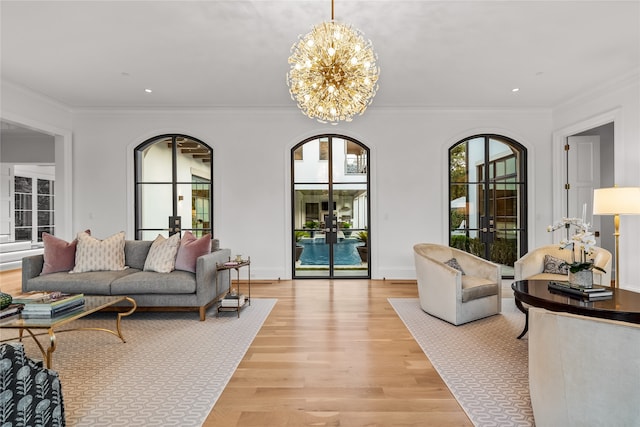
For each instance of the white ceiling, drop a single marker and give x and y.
(210, 53)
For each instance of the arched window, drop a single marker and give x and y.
(487, 199)
(173, 187)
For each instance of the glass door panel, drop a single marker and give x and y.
(311, 248)
(487, 194)
(330, 217)
(173, 187)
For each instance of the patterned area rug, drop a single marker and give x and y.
(170, 372)
(482, 362)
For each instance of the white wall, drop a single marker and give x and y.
(251, 168)
(252, 174)
(23, 107)
(621, 100)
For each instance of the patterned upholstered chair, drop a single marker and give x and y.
(459, 291)
(31, 395)
(583, 371)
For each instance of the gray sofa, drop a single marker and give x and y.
(175, 291)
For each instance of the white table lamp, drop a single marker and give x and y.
(616, 201)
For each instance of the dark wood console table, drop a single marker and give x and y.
(624, 305)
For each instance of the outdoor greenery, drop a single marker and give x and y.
(363, 236)
(311, 224)
(504, 251)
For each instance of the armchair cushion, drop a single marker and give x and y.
(477, 287)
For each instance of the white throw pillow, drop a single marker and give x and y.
(99, 255)
(162, 254)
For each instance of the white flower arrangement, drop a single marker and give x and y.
(583, 238)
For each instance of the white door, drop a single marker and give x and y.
(583, 175)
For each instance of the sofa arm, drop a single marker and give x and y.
(209, 283)
(31, 267)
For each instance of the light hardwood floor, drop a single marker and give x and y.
(331, 353)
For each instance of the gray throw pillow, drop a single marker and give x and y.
(554, 265)
(453, 263)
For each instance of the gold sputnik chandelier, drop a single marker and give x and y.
(333, 73)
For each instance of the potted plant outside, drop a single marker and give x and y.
(345, 226)
(312, 226)
(363, 250)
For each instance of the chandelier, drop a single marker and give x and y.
(333, 74)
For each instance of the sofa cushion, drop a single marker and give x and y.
(91, 282)
(477, 287)
(191, 248)
(99, 255)
(555, 265)
(162, 254)
(59, 255)
(135, 253)
(148, 282)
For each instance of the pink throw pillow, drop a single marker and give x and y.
(190, 249)
(59, 255)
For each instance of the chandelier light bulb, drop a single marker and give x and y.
(333, 74)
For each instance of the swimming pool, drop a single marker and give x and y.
(316, 252)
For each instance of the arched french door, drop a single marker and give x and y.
(173, 187)
(487, 199)
(330, 208)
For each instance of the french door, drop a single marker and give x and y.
(330, 208)
(173, 188)
(487, 196)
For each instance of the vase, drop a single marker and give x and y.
(582, 278)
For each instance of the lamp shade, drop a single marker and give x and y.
(616, 201)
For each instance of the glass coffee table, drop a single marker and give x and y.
(53, 324)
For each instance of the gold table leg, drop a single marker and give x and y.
(48, 353)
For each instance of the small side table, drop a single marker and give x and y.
(229, 303)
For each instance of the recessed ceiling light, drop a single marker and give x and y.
(148, 90)
(515, 89)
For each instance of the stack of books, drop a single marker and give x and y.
(591, 294)
(233, 300)
(55, 304)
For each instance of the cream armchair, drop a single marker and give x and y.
(583, 371)
(448, 294)
(531, 265)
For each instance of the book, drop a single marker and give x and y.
(231, 263)
(37, 310)
(587, 293)
(59, 311)
(233, 301)
(43, 301)
(10, 311)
